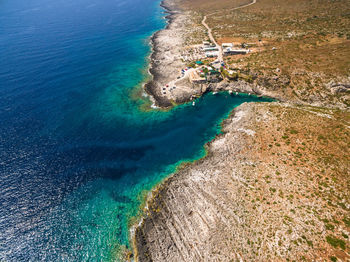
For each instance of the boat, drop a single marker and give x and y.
(214, 93)
(230, 92)
(193, 103)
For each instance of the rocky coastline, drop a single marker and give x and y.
(151, 86)
(246, 200)
(227, 206)
(159, 43)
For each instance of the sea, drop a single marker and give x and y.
(80, 145)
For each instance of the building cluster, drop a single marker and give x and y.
(210, 50)
(229, 49)
(215, 71)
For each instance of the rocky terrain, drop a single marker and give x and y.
(166, 63)
(274, 187)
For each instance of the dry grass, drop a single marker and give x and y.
(303, 179)
(208, 6)
(298, 193)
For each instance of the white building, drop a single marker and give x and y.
(206, 49)
(225, 45)
(231, 51)
(212, 54)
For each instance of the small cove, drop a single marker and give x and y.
(77, 152)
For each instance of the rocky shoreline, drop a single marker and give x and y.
(246, 201)
(219, 208)
(171, 208)
(159, 75)
(150, 87)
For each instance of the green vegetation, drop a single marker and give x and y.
(293, 131)
(193, 65)
(346, 221)
(335, 242)
(329, 226)
(333, 259)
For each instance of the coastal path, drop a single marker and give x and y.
(235, 8)
(212, 39)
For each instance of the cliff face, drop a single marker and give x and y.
(257, 196)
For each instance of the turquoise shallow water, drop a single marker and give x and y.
(76, 150)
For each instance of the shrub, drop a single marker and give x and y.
(335, 242)
(333, 259)
(293, 131)
(329, 226)
(346, 221)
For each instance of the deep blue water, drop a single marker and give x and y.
(76, 150)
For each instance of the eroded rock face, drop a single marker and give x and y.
(258, 195)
